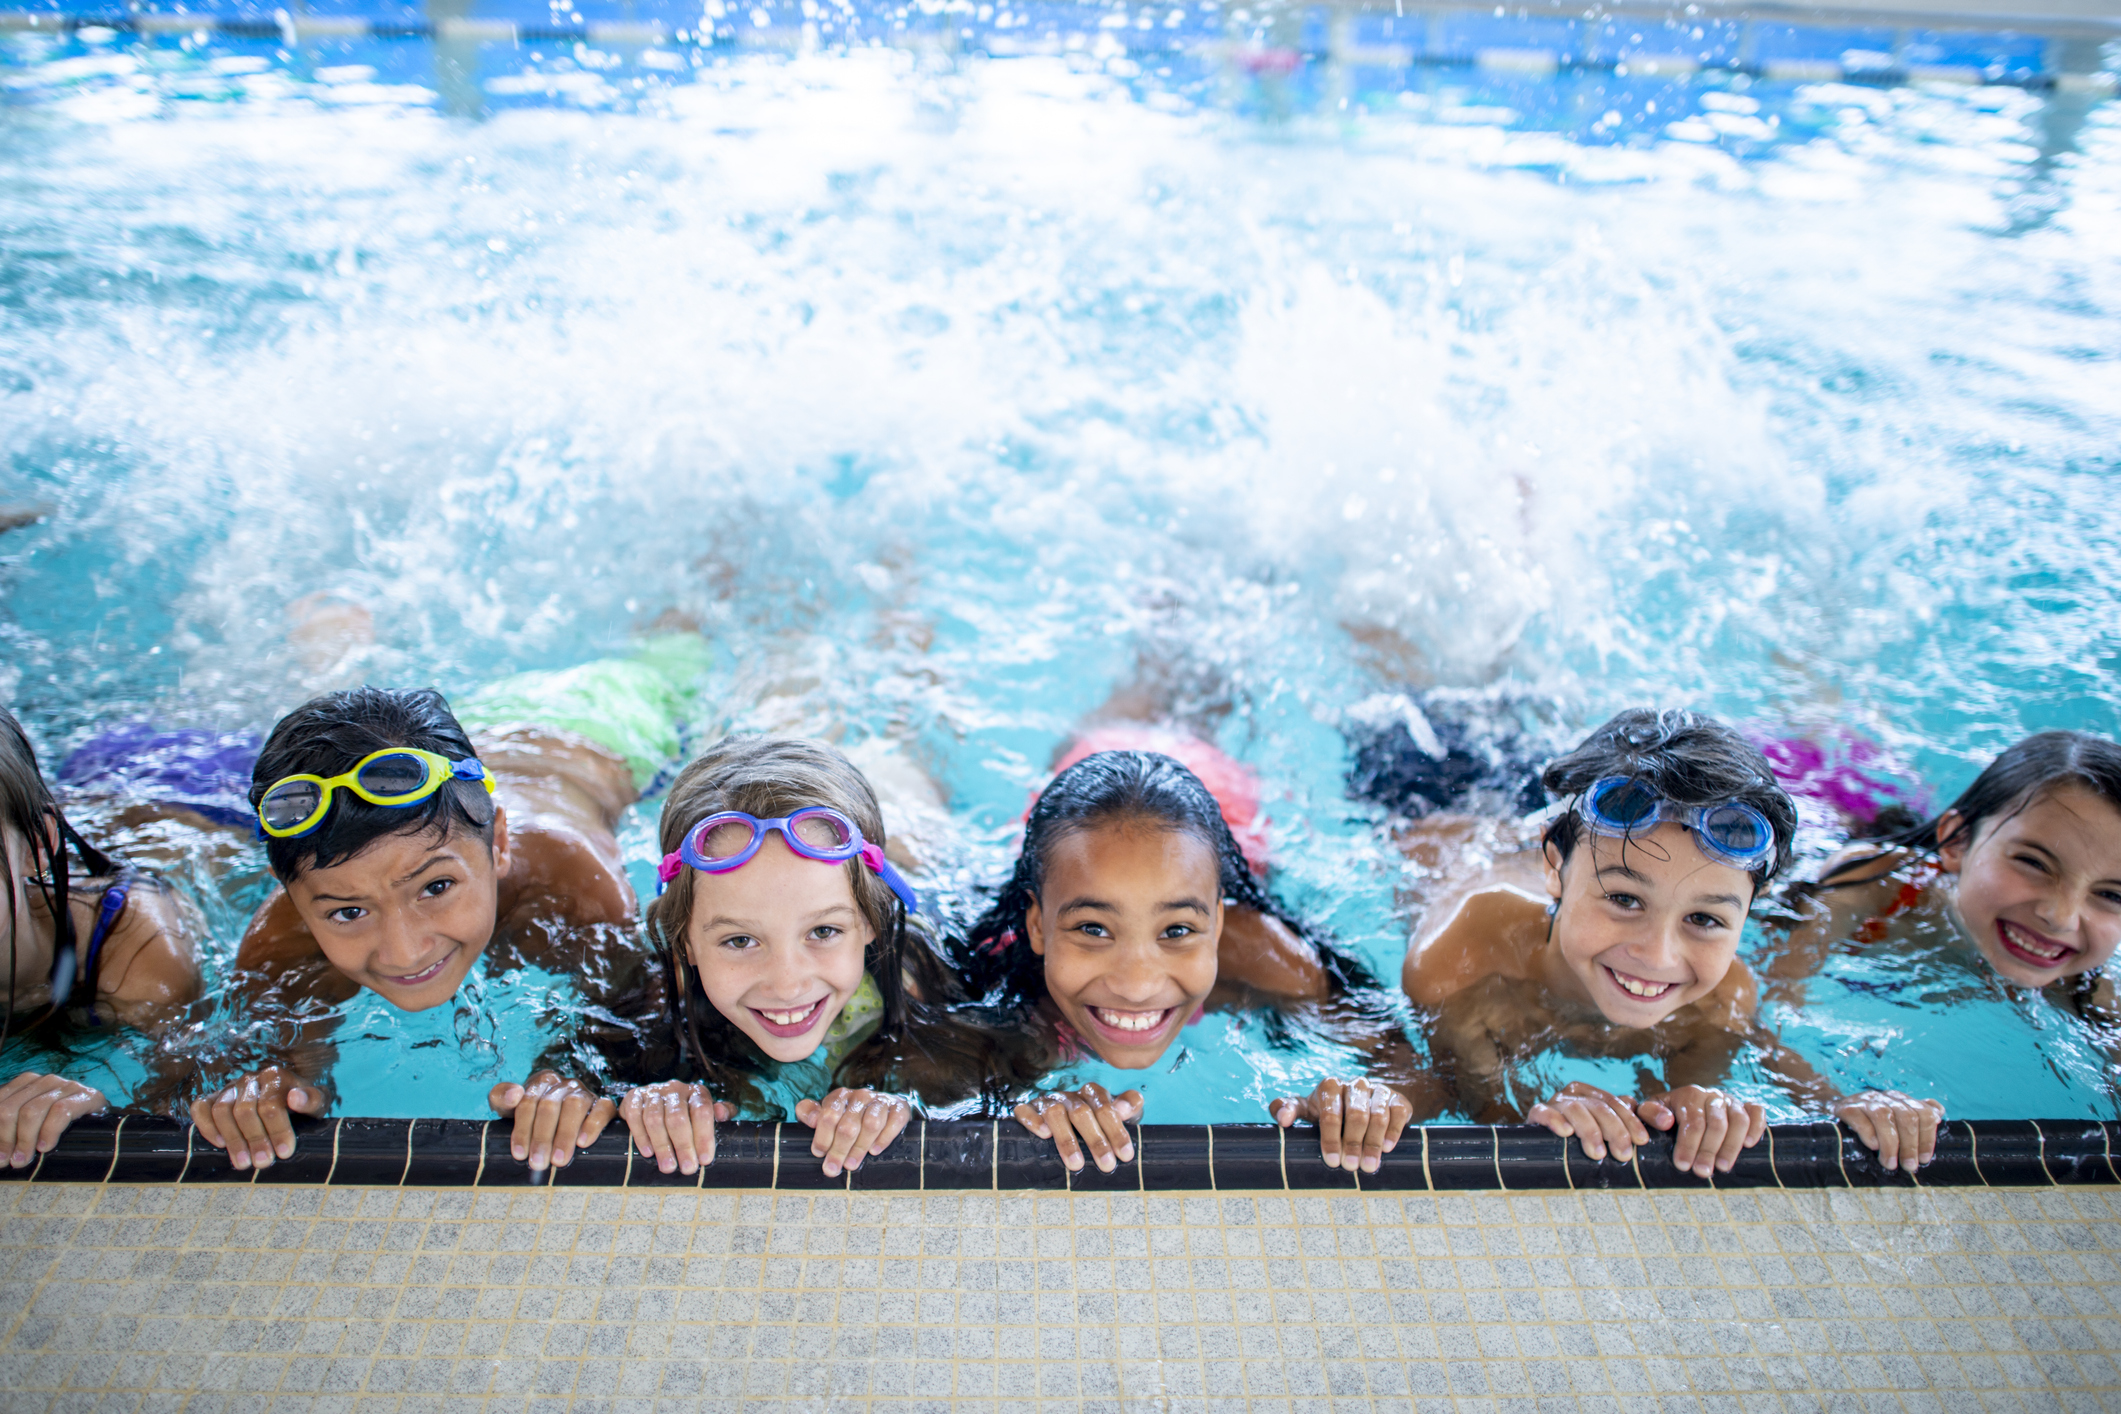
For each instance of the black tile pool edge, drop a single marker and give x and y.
(999, 1156)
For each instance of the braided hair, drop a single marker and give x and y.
(1107, 788)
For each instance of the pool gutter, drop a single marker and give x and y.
(997, 1156)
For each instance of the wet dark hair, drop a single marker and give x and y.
(924, 1041)
(2014, 780)
(1113, 788)
(1685, 758)
(327, 735)
(28, 808)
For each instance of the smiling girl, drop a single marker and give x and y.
(1132, 911)
(1618, 937)
(2023, 869)
(795, 965)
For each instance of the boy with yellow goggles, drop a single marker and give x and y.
(395, 777)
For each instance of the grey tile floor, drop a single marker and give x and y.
(326, 1299)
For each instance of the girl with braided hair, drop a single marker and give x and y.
(1132, 910)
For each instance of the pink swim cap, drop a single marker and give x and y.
(1234, 785)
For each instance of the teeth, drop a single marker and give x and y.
(788, 1018)
(2026, 943)
(1130, 1020)
(1636, 987)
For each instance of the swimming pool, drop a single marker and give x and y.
(938, 375)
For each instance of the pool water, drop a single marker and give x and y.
(941, 385)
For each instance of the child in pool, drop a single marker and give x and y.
(507, 838)
(2025, 866)
(791, 956)
(1132, 909)
(1619, 938)
(108, 944)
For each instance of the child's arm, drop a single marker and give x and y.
(1854, 888)
(1264, 961)
(1902, 1130)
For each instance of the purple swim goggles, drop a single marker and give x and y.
(728, 839)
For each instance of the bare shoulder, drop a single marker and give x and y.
(551, 774)
(566, 876)
(279, 957)
(1492, 932)
(150, 963)
(1733, 1003)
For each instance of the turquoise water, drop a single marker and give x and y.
(939, 385)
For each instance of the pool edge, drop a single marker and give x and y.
(999, 1156)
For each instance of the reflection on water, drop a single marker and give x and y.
(937, 387)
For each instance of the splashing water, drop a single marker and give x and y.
(939, 388)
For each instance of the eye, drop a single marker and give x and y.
(825, 933)
(349, 914)
(738, 942)
(1705, 921)
(435, 888)
(1626, 902)
(1178, 930)
(2111, 897)
(1092, 930)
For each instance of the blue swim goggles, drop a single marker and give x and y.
(728, 839)
(1730, 833)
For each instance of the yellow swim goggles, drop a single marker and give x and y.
(396, 776)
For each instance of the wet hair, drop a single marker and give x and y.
(2026, 771)
(923, 1042)
(1683, 757)
(1105, 789)
(28, 809)
(327, 735)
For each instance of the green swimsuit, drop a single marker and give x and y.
(635, 707)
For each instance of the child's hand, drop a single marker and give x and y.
(851, 1124)
(36, 1109)
(673, 1123)
(554, 1117)
(1902, 1129)
(1713, 1127)
(249, 1118)
(1604, 1122)
(1094, 1113)
(1359, 1121)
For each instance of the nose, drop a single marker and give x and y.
(1136, 976)
(1659, 951)
(402, 947)
(2057, 911)
(786, 973)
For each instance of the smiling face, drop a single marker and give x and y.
(409, 915)
(1128, 918)
(777, 943)
(1645, 925)
(2040, 890)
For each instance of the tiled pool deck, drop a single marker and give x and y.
(300, 1297)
